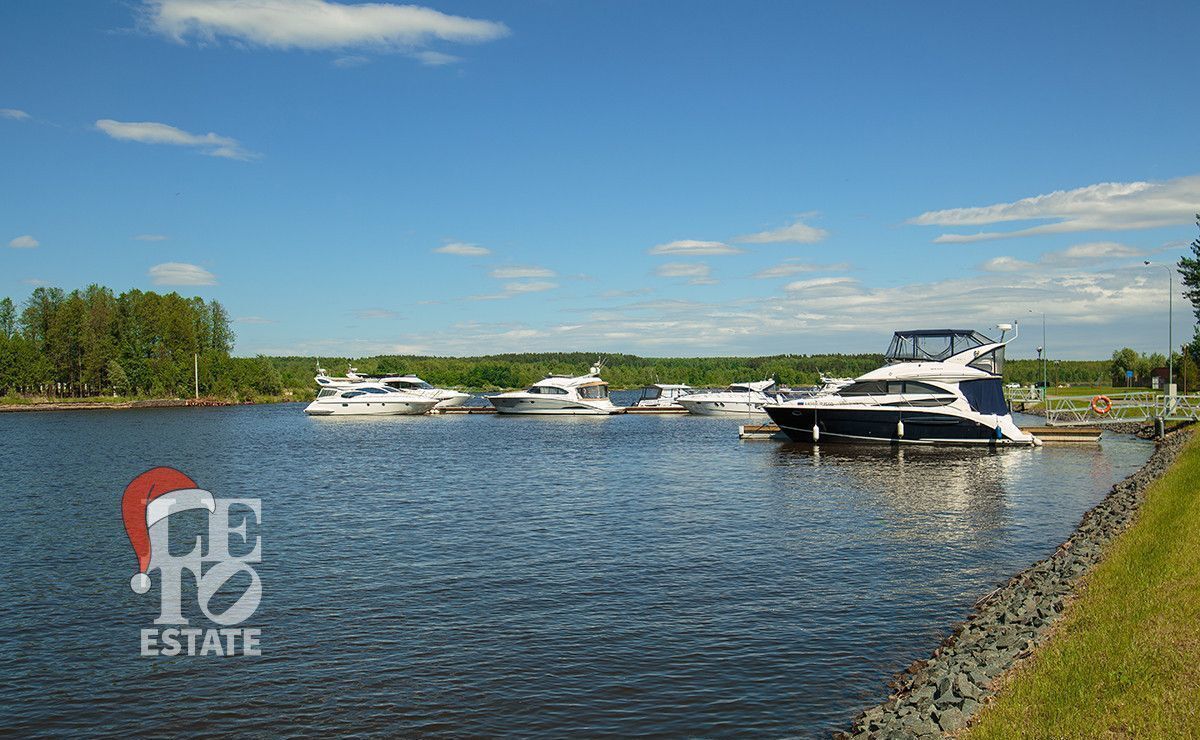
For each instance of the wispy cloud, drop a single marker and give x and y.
(685, 247)
(1109, 206)
(1089, 254)
(819, 283)
(318, 25)
(796, 232)
(436, 58)
(698, 273)
(151, 237)
(36, 282)
(512, 290)
(14, 114)
(516, 272)
(254, 320)
(25, 241)
(351, 60)
(788, 268)
(151, 132)
(463, 250)
(375, 313)
(181, 273)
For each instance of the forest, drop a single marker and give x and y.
(92, 342)
(142, 344)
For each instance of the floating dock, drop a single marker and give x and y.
(665, 410)
(1048, 435)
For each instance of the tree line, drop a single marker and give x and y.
(91, 342)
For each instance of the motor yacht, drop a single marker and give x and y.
(362, 398)
(939, 386)
(662, 396)
(738, 398)
(445, 397)
(559, 394)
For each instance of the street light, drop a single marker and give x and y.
(1170, 323)
(1043, 347)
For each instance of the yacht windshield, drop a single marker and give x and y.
(932, 345)
(598, 390)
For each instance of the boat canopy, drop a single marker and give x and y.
(761, 386)
(933, 345)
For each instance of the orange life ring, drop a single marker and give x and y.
(1102, 405)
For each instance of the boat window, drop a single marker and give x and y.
(865, 388)
(378, 391)
(593, 391)
(651, 393)
(352, 394)
(548, 390)
(991, 362)
(910, 387)
(932, 345)
(326, 392)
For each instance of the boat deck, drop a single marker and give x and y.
(1048, 435)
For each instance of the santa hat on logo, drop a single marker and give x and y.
(152, 496)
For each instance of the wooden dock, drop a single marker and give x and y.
(1048, 435)
(662, 410)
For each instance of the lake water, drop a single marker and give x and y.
(482, 575)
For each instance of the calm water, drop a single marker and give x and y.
(474, 575)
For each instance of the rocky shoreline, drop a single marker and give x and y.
(941, 695)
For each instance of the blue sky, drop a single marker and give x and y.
(661, 178)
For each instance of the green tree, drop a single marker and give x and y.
(8, 318)
(116, 377)
(1189, 270)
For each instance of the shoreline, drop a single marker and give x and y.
(943, 693)
(159, 403)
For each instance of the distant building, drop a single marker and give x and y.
(1159, 377)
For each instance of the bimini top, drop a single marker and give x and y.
(933, 345)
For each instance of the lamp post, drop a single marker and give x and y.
(1170, 323)
(1043, 355)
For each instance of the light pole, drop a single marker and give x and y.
(1170, 323)
(1043, 355)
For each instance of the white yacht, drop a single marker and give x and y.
(559, 394)
(445, 397)
(738, 398)
(662, 396)
(364, 398)
(939, 386)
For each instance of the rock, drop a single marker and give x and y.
(951, 719)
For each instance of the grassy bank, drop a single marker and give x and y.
(1125, 661)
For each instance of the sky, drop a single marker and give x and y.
(659, 178)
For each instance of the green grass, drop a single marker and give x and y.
(1125, 662)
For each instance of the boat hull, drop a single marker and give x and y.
(880, 426)
(716, 407)
(549, 406)
(348, 407)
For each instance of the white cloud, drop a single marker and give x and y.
(351, 60)
(788, 268)
(1110, 206)
(463, 250)
(181, 273)
(151, 237)
(697, 272)
(1078, 255)
(36, 282)
(25, 241)
(1007, 264)
(150, 132)
(254, 320)
(796, 232)
(315, 24)
(516, 289)
(819, 283)
(436, 58)
(375, 313)
(685, 247)
(509, 273)
(14, 114)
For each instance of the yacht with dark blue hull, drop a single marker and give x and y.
(939, 386)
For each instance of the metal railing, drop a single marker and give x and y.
(1129, 406)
